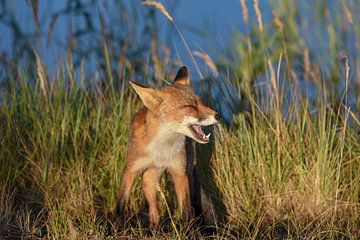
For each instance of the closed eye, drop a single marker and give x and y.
(188, 106)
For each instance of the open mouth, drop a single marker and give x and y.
(199, 133)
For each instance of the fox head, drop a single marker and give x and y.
(179, 108)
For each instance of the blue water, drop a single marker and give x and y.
(207, 25)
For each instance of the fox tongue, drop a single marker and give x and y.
(200, 133)
(198, 130)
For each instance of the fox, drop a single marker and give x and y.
(162, 138)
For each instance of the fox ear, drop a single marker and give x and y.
(182, 76)
(149, 96)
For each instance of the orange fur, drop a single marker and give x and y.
(171, 117)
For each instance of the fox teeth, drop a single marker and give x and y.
(207, 136)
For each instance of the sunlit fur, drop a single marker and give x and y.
(157, 142)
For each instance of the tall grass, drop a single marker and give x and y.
(62, 154)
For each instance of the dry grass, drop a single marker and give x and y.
(63, 154)
(160, 7)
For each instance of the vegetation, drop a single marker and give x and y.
(286, 167)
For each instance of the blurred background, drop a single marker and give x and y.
(225, 39)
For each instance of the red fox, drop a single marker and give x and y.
(161, 139)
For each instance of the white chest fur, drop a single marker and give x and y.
(167, 149)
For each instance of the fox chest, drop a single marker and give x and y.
(167, 152)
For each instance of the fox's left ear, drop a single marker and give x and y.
(149, 96)
(182, 76)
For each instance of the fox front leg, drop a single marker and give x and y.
(182, 188)
(150, 180)
(126, 182)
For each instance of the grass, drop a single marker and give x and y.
(287, 167)
(277, 175)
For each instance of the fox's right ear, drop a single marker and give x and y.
(182, 76)
(149, 96)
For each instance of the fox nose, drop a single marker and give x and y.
(218, 116)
